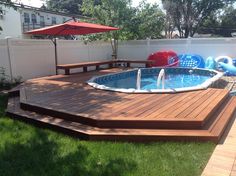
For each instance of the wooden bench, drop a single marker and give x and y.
(84, 65)
(110, 63)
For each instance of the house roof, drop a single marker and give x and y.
(22, 6)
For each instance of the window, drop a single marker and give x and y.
(33, 18)
(26, 18)
(42, 22)
(54, 20)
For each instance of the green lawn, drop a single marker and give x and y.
(26, 150)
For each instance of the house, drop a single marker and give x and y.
(16, 19)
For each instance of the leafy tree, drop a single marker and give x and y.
(113, 13)
(169, 20)
(222, 24)
(188, 15)
(212, 25)
(228, 22)
(145, 21)
(67, 6)
(150, 20)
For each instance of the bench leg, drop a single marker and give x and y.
(97, 67)
(111, 65)
(67, 71)
(85, 69)
(128, 64)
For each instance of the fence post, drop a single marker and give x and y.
(56, 58)
(189, 45)
(88, 48)
(148, 47)
(9, 58)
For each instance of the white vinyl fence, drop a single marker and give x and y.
(74, 51)
(36, 58)
(140, 49)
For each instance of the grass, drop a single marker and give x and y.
(26, 150)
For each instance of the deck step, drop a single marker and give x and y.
(127, 122)
(121, 134)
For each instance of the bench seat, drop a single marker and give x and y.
(110, 63)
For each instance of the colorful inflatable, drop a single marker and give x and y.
(210, 63)
(226, 64)
(228, 59)
(234, 62)
(164, 59)
(230, 69)
(191, 60)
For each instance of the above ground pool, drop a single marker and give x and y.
(156, 80)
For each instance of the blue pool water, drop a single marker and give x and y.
(172, 81)
(176, 80)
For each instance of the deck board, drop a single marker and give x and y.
(68, 104)
(71, 94)
(182, 107)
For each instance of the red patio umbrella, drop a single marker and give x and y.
(71, 28)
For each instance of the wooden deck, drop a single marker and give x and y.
(197, 115)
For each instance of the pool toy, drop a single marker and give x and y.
(210, 63)
(228, 59)
(234, 62)
(230, 69)
(191, 61)
(163, 59)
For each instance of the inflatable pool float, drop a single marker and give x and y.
(234, 62)
(226, 64)
(210, 63)
(228, 59)
(228, 68)
(191, 61)
(164, 59)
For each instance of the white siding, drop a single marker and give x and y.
(10, 23)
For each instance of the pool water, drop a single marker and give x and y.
(175, 80)
(172, 81)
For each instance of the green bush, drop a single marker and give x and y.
(5, 80)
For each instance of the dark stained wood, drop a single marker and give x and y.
(85, 104)
(110, 63)
(105, 115)
(135, 135)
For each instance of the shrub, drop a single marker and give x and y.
(5, 80)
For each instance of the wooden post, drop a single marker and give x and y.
(67, 71)
(85, 69)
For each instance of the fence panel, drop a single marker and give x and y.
(32, 58)
(4, 57)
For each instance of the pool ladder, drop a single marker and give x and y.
(161, 77)
(138, 82)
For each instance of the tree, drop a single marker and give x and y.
(212, 25)
(113, 13)
(150, 21)
(188, 15)
(222, 24)
(228, 22)
(145, 21)
(67, 6)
